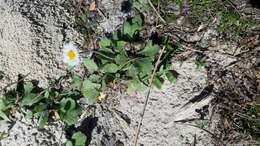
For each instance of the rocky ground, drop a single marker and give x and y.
(32, 34)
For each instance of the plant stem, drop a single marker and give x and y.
(157, 13)
(147, 97)
(103, 55)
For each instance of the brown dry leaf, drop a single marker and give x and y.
(55, 114)
(93, 6)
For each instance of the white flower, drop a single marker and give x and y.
(70, 54)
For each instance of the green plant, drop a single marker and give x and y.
(203, 11)
(113, 62)
(122, 57)
(52, 103)
(232, 23)
(141, 5)
(7, 104)
(77, 139)
(41, 103)
(3, 109)
(200, 61)
(249, 122)
(1, 75)
(3, 135)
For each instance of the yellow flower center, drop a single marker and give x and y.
(71, 55)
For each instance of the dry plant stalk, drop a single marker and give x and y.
(147, 97)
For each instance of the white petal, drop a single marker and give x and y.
(68, 47)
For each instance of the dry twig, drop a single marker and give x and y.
(157, 13)
(147, 96)
(12, 83)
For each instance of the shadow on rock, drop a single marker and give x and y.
(87, 126)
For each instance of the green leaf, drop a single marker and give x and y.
(133, 26)
(3, 116)
(31, 99)
(2, 74)
(94, 78)
(2, 104)
(132, 71)
(68, 111)
(91, 95)
(150, 49)
(120, 45)
(127, 29)
(87, 84)
(8, 101)
(134, 85)
(115, 35)
(80, 139)
(121, 59)
(29, 114)
(69, 143)
(171, 75)
(28, 87)
(137, 20)
(110, 68)
(76, 82)
(70, 117)
(90, 65)
(141, 5)
(90, 92)
(105, 43)
(46, 94)
(37, 109)
(158, 82)
(43, 119)
(67, 104)
(145, 66)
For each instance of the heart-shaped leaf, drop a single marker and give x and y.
(121, 59)
(68, 111)
(90, 91)
(80, 139)
(105, 43)
(111, 68)
(145, 66)
(150, 49)
(134, 85)
(91, 95)
(90, 65)
(71, 116)
(132, 27)
(76, 82)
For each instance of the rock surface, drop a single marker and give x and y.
(32, 36)
(163, 109)
(25, 132)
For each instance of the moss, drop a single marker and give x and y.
(232, 24)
